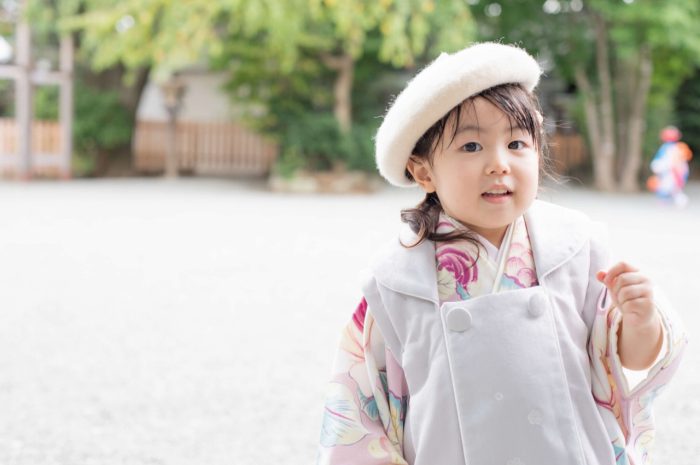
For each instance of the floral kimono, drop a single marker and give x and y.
(368, 396)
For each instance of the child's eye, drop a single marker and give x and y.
(516, 145)
(472, 147)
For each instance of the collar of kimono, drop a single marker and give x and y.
(556, 235)
(465, 269)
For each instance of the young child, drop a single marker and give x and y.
(492, 331)
(670, 168)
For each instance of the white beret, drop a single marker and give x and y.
(438, 88)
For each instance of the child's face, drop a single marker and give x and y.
(487, 176)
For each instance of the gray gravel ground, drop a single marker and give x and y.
(195, 322)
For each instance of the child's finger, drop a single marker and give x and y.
(615, 271)
(632, 292)
(629, 278)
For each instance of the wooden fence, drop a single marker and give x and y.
(567, 152)
(204, 148)
(46, 159)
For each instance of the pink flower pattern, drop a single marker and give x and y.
(465, 271)
(459, 263)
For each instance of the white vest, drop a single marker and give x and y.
(503, 378)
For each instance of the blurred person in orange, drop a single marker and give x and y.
(670, 168)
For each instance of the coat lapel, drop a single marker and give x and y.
(556, 234)
(410, 271)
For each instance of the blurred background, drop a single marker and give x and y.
(188, 196)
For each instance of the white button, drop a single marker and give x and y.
(515, 461)
(535, 417)
(537, 305)
(459, 319)
(498, 396)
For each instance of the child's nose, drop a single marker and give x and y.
(498, 163)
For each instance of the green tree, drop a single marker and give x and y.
(625, 57)
(335, 33)
(688, 111)
(291, 59)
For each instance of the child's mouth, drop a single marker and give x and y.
(497, 194)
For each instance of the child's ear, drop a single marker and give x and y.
(421, 172)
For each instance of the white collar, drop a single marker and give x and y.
(556, 234)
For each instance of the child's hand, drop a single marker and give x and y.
(631, 292)
(640, 334)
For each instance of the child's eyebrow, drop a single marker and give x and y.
(476, 128)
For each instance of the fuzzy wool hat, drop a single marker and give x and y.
(443, 84)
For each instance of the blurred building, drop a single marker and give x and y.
(209, 139)
(29, 147)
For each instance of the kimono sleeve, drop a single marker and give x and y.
(366, 399)
(633, 435)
